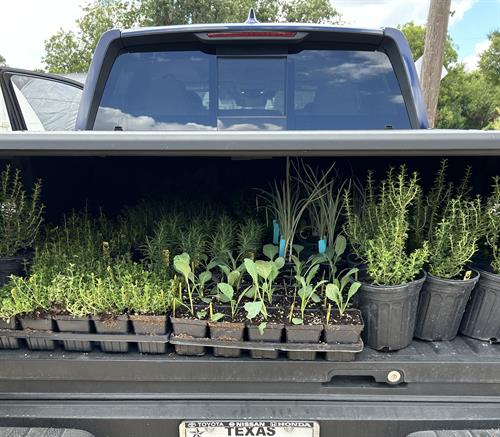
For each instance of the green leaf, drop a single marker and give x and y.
(206, 299)
(253, 309)
(332, 292)
(201, 314)
(264, 268)
(353, 289)
(182, 265)
(340, 245)
(251, 269)
(298, 249)
(262, 327)
(227, 290)
(297, 321)
(205, 277)
(216, 317)
(250, 292)
(279, 263)
(315, 298)
(233, 276)
(270, 251)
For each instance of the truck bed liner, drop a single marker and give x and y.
(462, 367)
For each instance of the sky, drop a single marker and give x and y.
(26, 24)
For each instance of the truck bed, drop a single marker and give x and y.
(117, 394)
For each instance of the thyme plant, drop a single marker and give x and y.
(379, 229)
(20, 215)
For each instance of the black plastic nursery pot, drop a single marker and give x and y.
(389, 313)
(150, 325)
(227, 331)
(116, 325)
(303, 334)
(441, 307)
(42, 323)
(344, 334)
(68, 323)
(8, 342)
(272, 333)
(10, 266)
(482, 315)
(189, 328)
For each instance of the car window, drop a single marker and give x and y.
(46, 104)
(309, 90)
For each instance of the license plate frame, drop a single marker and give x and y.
(249, 428)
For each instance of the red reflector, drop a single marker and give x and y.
(261, 34)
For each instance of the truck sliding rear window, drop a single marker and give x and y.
(309, 90)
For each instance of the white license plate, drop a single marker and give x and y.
(249, 428)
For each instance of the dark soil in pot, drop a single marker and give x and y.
(117, 325)
(10, 266)
(68, 323)
(441, 307)
(189, 328)
(482, 315)
(273, 333)
(389, 313)
(227, 331)
(150, 325)
(41, 322)
(8, 342)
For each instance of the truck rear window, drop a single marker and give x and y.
(309, 90)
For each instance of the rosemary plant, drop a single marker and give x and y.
(379, 229)
(20, 215)
(492, 225)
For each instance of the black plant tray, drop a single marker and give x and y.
(334, 352)
(51, 335)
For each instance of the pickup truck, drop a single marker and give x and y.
(219, 108)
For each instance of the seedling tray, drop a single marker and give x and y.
(334, 352)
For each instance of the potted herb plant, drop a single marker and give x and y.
(263, 325)
(20, 219)
(29, 300)
(227, 330)
(481, 319)
(187, 319)
(447, 288)
(150, 302)
(343, 325)
(388, 296)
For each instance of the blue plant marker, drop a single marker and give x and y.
(322, 246)
(282, 247)
(276, 232)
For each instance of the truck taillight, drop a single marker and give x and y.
(251, 34)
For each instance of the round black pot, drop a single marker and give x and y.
(150, 325)
(441, 307)
(226, 331)
(8, 342)
(117, 325)
(482, 315)
(272, 333)
(44, 323)
(303, 334)
(190, 329)
(10, 266)
(389, 313)
(68, 323)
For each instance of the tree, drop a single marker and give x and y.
(467, 100)
(489, 62)
(71, 52)
(3, 62)
(415, 35)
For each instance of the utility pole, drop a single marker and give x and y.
(432, 62)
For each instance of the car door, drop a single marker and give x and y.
(37, 101)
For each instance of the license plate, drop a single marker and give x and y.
(249, 428)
